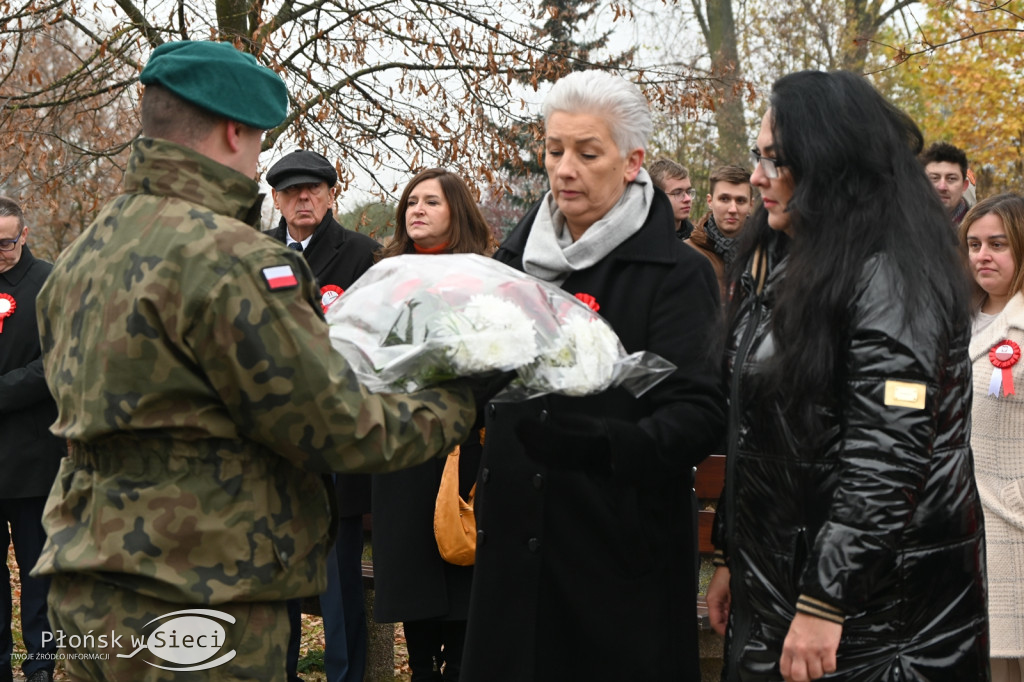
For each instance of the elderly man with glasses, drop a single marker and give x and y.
(674, 180)
(29, 454)
(304, 188)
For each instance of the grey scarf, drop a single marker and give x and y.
(551, 254)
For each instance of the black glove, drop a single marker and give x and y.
(485, 387)
(567, 441)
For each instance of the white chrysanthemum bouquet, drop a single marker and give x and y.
(418, 320)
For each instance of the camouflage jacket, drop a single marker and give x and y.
(194, 377)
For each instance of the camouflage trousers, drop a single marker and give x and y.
(106, 633)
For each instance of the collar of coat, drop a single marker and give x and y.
(320, 232)
(1012, 317)
(21, 268)
(328, 237)
(655, 242)
(959, 211)
(163, 168)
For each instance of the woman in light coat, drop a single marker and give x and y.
(992, 237)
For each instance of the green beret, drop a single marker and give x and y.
(220, 79)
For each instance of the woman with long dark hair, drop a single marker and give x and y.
(436, 214)
(464, 230)
(850, 529)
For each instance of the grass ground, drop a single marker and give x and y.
(311, 652)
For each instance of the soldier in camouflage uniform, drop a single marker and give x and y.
(194, 378)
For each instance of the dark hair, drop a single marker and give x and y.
(469, 231)
(167, 116)
(1009, 208)
(9, 208)
(736, 175)
(858, 191)
(758, 235)
(944, 152)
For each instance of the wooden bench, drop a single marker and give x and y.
(709, 479)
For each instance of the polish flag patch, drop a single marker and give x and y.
(280, 277)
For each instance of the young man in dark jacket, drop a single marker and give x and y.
(29, 453)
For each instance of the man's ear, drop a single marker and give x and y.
(273, 195)
(233, 135)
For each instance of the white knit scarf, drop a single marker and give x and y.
(551, 254)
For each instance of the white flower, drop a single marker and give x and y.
(415, 321)
(582, 362)
(489, 333)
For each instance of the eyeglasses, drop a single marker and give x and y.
(9, 244)
(769, 165)
(676, 193)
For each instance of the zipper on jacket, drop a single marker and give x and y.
(739, 627)
(734, 413)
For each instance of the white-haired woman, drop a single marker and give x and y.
(585, 554)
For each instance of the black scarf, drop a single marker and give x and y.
(719, 243)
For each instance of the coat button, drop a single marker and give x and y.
(485, 474)
(538, 481)
(533, 544)
(481, 537)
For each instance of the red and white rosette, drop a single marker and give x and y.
(589, 300)
(7, 308)
(1003, 356)
(329, 293)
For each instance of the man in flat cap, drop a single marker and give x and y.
(193, 375)
(304, 188)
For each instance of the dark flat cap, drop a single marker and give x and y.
(220, 79)
(301, 167)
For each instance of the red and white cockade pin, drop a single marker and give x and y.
(329, 293)
(1003, 356)
(589, 300)
(7, 308)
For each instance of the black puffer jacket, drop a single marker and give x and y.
(878, 520)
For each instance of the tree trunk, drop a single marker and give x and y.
(725, 67)
(863, 19)
(233, 19)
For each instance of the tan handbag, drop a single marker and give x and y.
(454, 519)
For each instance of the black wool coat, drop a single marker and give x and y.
(339, 256)
(411, 580)
(29, 454)
(588, 576)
